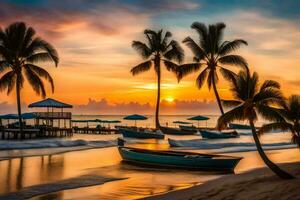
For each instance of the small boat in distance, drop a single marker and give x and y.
(141, 134)
(239, 126)
(218, 135)
(176, 131)
(188, 128)
(177, 159)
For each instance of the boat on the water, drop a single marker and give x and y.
(141, 134)
(218, 135)
(188, 128)
(176, 131)
(239, 126)
(178, 159)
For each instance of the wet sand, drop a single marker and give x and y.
(139, 182)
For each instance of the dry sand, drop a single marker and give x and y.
(258, 184)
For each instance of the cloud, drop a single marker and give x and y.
(176, 107)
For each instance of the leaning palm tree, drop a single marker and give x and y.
(158, 48)
(251, 100)
(290, 111)
(20, 51)
(212, 54)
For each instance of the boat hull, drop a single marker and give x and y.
(217, 135)
(141, 135)
(176, 131)
(175, 159)
(239, 126)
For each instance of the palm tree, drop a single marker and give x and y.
(20, 51)
(158, 48)
(250, 99)
(290, 111)
(212, 54)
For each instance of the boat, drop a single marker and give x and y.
(141, 134)
(218, 135)
(188, 128)
(177, 159)
(176, 131)
(239, 126)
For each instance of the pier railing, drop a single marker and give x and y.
(53, 115)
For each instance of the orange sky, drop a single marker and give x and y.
(96, 54)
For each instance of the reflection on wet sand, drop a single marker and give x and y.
(141, 182)
(23, 172)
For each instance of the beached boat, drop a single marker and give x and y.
(218, 135)
(239, 126)
(176, 131)
(141, 134)
(177, 159)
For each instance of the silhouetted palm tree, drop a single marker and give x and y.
(212, 54)
(20, 50)
(251, 100)
(290, 111)
(158, 48)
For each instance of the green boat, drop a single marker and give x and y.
(218, 135)
(177, 159)
(134, 133)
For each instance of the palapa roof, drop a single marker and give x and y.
(50, 103)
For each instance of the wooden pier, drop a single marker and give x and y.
(98, 131)
(30, 133)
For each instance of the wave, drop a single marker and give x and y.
(227, 146)
(52, 143)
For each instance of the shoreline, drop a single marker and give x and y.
(259, 183)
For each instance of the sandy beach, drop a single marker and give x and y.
(255, 184)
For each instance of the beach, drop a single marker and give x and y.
(256, 184)
(97, 172)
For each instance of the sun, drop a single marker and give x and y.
(169, 99)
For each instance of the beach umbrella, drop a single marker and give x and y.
(135, 117)
(199, 118)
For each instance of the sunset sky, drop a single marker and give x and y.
(93, 38)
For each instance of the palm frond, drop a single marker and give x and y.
(35, 82)
(40, 46)
(171, 66)
(269, 113)
(231, 46)
(234, 60)
(201, 78)
(231, 103)
(39, 57)
(283, 126)
(185, 69)
(4, 65)
(42, 73)
(8, 82)
(269, 96)
(198, 52)
(269, 84)
(212, 78)
(175, 53)
(145, 66)
(236, 113)
(227, 74)
(201, 30)
(142, 49)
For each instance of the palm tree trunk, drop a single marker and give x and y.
(157, 66)
(279, 172)
(18, 88)
(217, 95)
